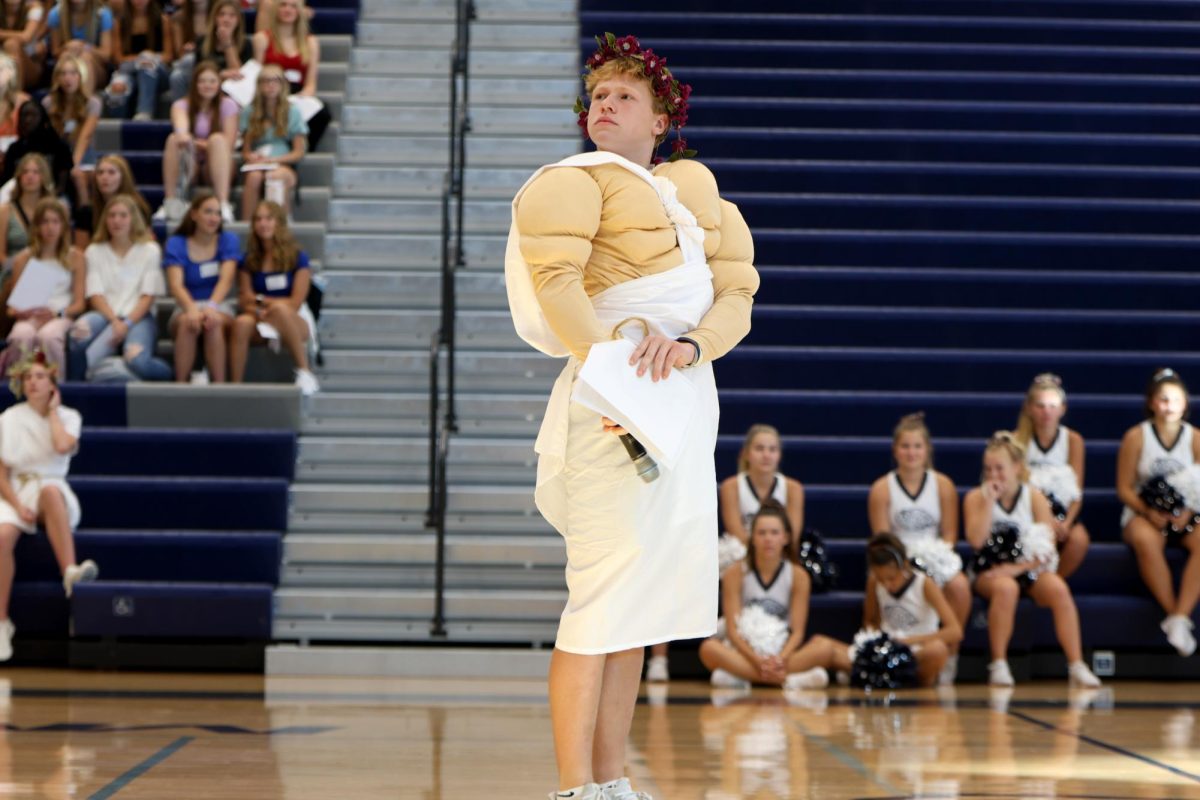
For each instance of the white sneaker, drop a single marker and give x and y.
(307, 383)
(949, 672)
(7, 629)
(999, 674)
(656, 669)
(727, 680)
(999, 697)
(199, 378)
(161, 214)
(79, 573)
(227, 213)
(589, 791)
(143, 116)
(1079, 675)
(1178, 629)
(621, 790)
(815, 678)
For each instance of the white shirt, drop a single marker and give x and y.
(123, 281)
(775, 596)
(1157, 459)
(26, 444)
(749, 502)
(1021, 513)
(909, 613)
(914, 518)
(1053, 456)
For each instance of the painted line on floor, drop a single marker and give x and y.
(141, 769)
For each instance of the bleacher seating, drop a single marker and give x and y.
(947, 197)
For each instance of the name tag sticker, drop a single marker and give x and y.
(277, 282)
(292, 75)
(209, 269)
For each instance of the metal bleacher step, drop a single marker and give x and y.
(526, 151)
(417, 216)
(424, 60)
(381, 604)
(404, 459)
(443, 10)
(517, 664)
(503, 92)
(485, 34)
(408, 370)
(406, 250)
(365, 328)
(486, 119)
(399, 414)
(353, 289)
(389, 182)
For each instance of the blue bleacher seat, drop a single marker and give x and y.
(182, 503)
(175, 610)
(182, 453)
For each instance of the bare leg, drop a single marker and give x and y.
(931, 657)
(820, 651)
(239, 346)
(1189, 583)
(219, 166)
(214, 349)
(9, 534)
(575, 687)
(618, 696)
(53, 510)
(170, 167)
(958, 595)
(1002, 594)
(185, 348)
(293, 332)
(288, 178)
(715, 655)
(1073, 550)
(1050, 591)
(1149, 546)
(657, 650)
(251, 193)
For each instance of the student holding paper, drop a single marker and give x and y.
(598, 239)
(287, 43)
(48, 282)
(224, 43)
(273, 142)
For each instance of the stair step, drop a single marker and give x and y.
(405, 251)
(420, 60)
(523, 152)
(347, 289)
(392, 182)
(484, 34)
(487, 120)
(415, 216)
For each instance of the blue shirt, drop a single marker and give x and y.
(276, 284)
(270, 143)
(80, 32)
(200, 277)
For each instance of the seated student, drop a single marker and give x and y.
(74, 113)
(37, 439)
(224, 42)
(111, 177)
(11, 100)
(273, 136)
(1163, 445)
(142, 52)
(19, 29)
(287, 44)
(1007, 500)
(903, 603)
(273, 285)
(201, 262)
(1055, 468)
(33, 185)
(205, 127)
(82, 29)
(45, 327)
(187, 22)
(920, 506)
(771, 580)
(35, 134)
(124, 277)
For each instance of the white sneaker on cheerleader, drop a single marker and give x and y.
(656, 669)
(79, 573)
(727, 680)
(999, 674)
(949, 672)
(1178, 629)
(815, 678)
(7, 629)
(589, 791)
(1079, 675)
(621, 790)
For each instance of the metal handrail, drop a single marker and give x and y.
(442, 423)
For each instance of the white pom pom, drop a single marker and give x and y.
(861, 639)
(730, 550)
(763, 631)
(1039, 546)
(936, 558)
(1187, 483)
(1056, 480)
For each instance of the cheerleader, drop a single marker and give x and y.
(1163, 445)
(758, 480)
(755, 649)
(1056, 467)
(1005, 500)
(902, 602)
(920, 506)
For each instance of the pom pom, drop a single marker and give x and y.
(936, 558)
(1003, 546)
(881, 662)
(1060, 485)
(730, 550)
(763, 631)
(1040, 548)
(816, 561)
(1186, 484)
(1158, 493)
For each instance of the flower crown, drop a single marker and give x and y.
(662, 83)
(29, 359)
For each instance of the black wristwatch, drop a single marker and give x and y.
(694, 344)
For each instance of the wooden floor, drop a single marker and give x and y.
(178, 737)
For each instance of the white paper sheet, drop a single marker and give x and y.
(242, 91)
(258, 167)
(39, 282)
(307, 105)
(657, 414)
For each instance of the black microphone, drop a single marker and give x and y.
(647, 469)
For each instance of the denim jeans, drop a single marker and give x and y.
(181, 76)
(141, 86)
(91, 343)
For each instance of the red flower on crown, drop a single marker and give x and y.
(662, 83)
